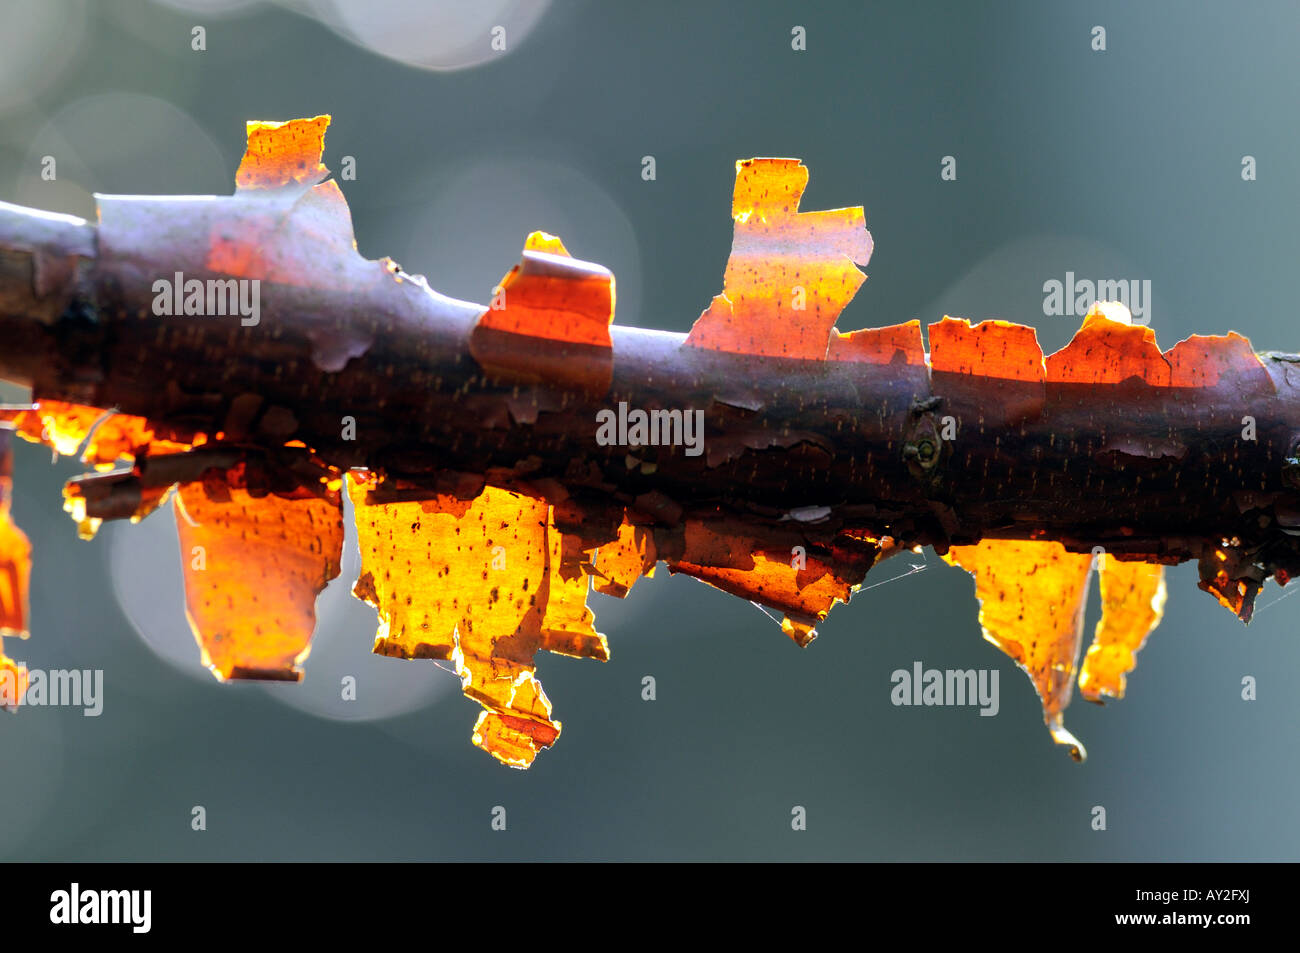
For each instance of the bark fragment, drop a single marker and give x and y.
(15, 571)
(1032, 596)
(254, 566)
(549, 320)
(790, 273)
(483, 584)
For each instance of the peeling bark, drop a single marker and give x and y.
(462, 428)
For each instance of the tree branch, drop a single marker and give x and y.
(252, 358)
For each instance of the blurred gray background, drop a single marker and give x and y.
(1118, 164)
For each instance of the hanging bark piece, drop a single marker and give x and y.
(253, 569)
(1032, 596)
(124, 437)
(61, 426)
(480, 583)
(783, 577)
(621, 562)
(1132, 603)
(15, 571)
(107, 436)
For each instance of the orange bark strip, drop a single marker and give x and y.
(1103, 351)
(427, 569)
(122, 436)
(108, 437)
(774, 583)
(1031, 597)
(1132, 603)
(15, 572)
(15, 575)
(897, 344)
(623, 561)
(805, 588)
(544, 241)
(64, 427)
(568, 626)
(13, 683)
(515, 739)
(790, 273)
(1235, 592)
(61, 426)
(283, 153)
(486, 585)
(997, 349)
(253, 569)
(1207, 360)
(299, 231)
(549, 320)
